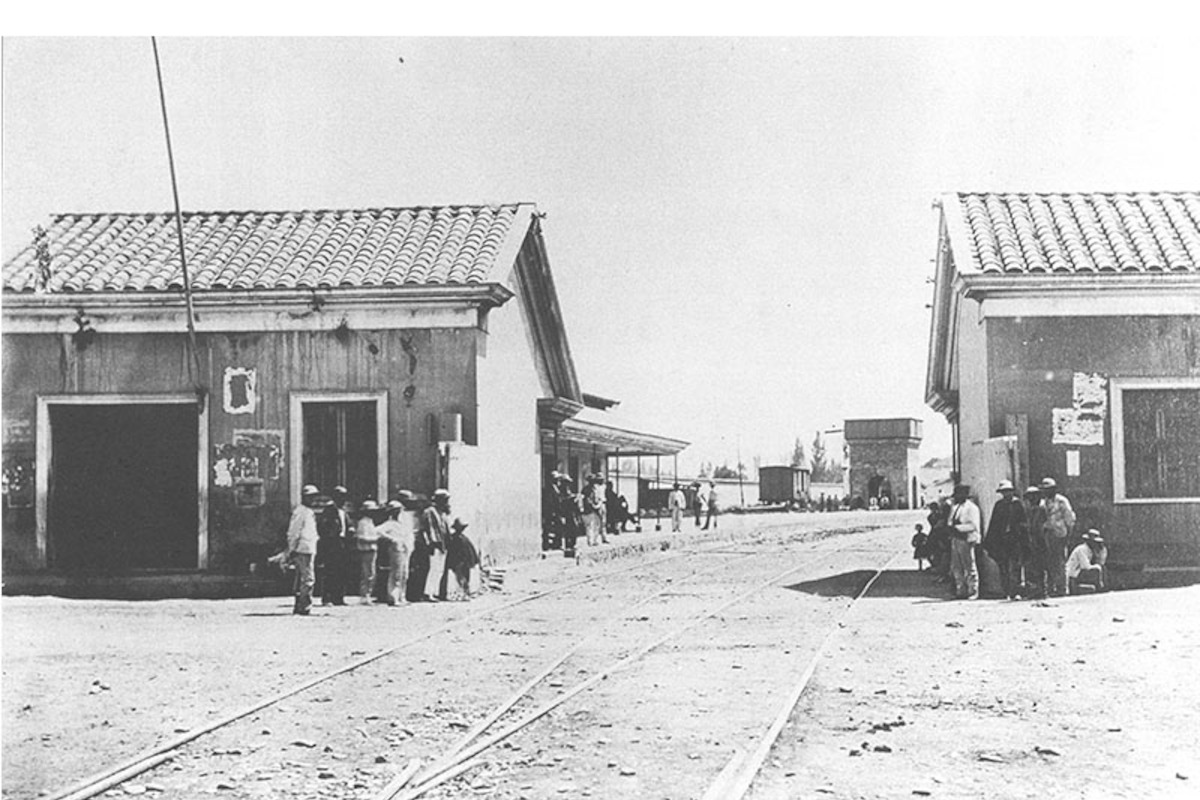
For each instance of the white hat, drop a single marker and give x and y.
(1049, 483)
(309, 489)
(1005, 486)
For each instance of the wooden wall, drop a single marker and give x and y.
(435, 366)
(1031, 365)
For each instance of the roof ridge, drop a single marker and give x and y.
(268, 211)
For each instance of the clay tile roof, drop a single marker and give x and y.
(257, 250)
(1066, 233)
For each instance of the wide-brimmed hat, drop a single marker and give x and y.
(1006, 486)
(458, 524)
(441, 493)
(340, 490)
(1033, 490)
(394, 505)
(309, 490)
(368, 506)
(1049, 483)
(1093, 535)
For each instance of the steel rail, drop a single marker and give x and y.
(532, 716)
(734, 781)
(479, 728)
(100, 781)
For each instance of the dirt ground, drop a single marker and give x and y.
(1081, 697)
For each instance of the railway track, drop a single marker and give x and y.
(667, 574)
(460, 758)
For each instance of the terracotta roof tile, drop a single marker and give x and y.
(1074, 232)
(254, 250)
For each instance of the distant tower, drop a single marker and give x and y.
(884, 460)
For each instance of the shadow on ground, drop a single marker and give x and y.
(892, 583)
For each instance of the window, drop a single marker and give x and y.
(1156, 440)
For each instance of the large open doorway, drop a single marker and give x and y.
(122, 485)
(341, 442)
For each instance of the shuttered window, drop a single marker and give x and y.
(1158, 427)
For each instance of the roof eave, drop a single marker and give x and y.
(483, 294)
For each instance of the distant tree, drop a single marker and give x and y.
(820, 462)
(799, 459)
(724, 471)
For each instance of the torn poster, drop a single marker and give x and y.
(1070, 426)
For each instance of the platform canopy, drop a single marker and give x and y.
(591, 429)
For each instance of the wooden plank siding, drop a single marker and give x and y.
(442, 378)
(1031, 364)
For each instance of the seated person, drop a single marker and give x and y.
(1085, 565)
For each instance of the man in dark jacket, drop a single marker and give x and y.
(1006, 533)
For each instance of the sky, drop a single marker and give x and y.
(741, 230)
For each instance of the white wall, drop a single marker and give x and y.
(974, 425)
(498, 483)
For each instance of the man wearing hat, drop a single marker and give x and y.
(676, 502)
(1059, 522)
(593, 511)
(395, 536)
(1085, 566)
(366, 545)
(1005, 540)
(965, 522)
(330, 562)
(435, 530)
(461, 558)
(1036, 578)
(302, 546)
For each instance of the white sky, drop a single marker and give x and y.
(740, 229)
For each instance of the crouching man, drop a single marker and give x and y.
(1085, 566)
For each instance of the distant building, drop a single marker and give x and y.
(884, 460)
(1065, 343)
(377, 349)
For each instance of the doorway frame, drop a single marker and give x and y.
(296, 401)
(44, 453)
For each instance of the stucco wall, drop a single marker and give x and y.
(1031, 368)
(499, 484)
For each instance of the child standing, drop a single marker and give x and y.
(919, 541)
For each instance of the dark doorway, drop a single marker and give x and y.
(122, 487)
(341, 447)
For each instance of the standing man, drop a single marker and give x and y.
(567, 511)
(698, 503)
(397, 532)
(965, 522)
(593, 512)
(1060, 521)
(418, 561)
(366, 545)
(302, 547)
(346, 563)
(435, 525)
(713, 510)
(1005, 538)
(330, 562)
(676, 501)
(1036, 577)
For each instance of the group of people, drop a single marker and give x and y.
(594, 513)
(338, 549)
(704, 505)
(1027, 537)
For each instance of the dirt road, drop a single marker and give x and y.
(89, 683)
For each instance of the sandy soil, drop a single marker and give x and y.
(979, 687)
(1080, 697)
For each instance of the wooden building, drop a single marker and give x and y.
(378, 349)
(1065, 342)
